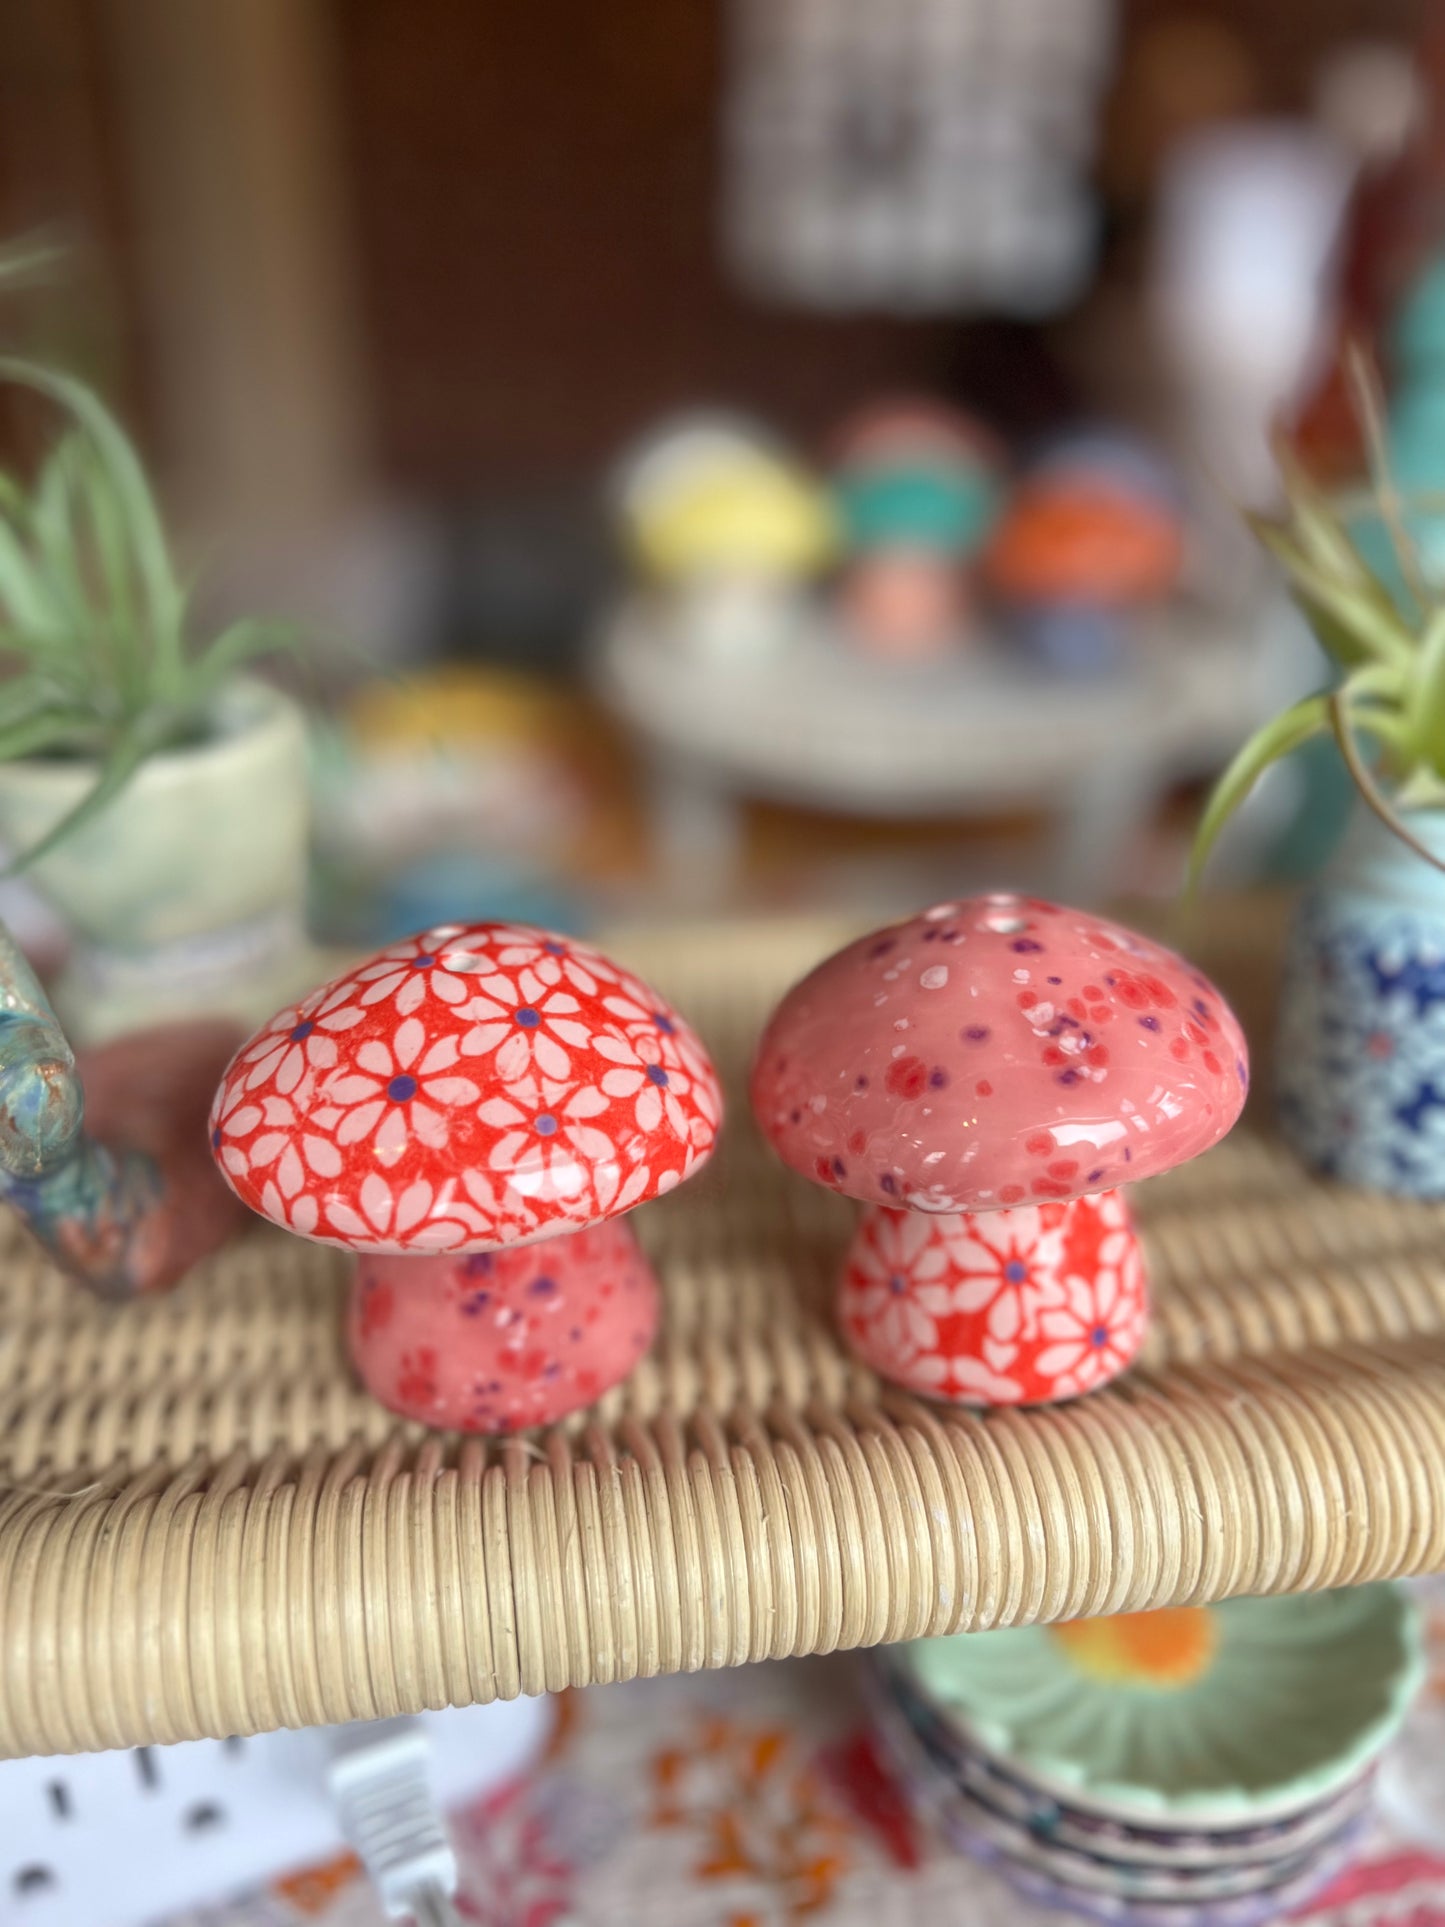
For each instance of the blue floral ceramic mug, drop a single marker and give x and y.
(1360, 1075)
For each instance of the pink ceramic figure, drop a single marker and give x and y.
(468, 1111)
(983, 1077)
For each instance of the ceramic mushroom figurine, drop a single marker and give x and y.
(103, 1159)
(470, 1112)
(984, 1077)
(731, 531)
(1093, 537)
(917, 490)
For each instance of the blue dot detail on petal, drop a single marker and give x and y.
(401, 1088)
(527, 1017)
(546, 1125)
(422, 963)
(1015, 1271)
(897, 1284)
(1099, 1337)
(664, 1024)
(657, 1074)
(553, 948)
(300, 1032)
(216, 1138)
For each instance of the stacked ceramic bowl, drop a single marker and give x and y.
(1197, 1767)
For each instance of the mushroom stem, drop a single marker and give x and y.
(498, 1340)
(1009, 1307)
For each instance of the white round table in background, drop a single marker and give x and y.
(817, 724)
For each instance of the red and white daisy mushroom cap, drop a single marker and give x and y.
(994, 1052)
(477, 1086)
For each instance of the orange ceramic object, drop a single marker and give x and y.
(1084, 545)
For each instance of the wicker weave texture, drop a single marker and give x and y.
(206, 1529)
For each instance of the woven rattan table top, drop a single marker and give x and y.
(205, 1528)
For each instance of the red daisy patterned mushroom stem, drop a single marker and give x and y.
(984, 1077)
(471, 1111)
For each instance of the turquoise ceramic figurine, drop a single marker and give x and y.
(917, 492)
(131, 1209)
(1360, 1076)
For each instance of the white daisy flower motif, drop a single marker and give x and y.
(397, 1091)
(556, 1155)
(556, 962)
(970, 1378)
(411, 972)
(1005, 1262)
(525, 1028)
(465, 1212)
(897, 1287)
(657, 1091)
(238, 1114)
(1097, 1330)
(298, 1212)
(300, 1044)
(654, 1033)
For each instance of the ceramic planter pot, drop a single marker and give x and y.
(1360, 1075)
(186, 896)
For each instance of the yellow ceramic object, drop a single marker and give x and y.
(456, 706)
(752, 514)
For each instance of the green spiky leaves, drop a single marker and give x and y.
(92, 614)
(1388, 650)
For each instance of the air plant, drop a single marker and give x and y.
(94, 622)
(1386, 643)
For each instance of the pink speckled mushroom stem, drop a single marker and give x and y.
(500, 1340)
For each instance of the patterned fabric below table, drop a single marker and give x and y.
(755, 1798)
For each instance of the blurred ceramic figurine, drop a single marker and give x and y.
(1093, 536)
(106, 1162)
(730, 528)
(917, 492)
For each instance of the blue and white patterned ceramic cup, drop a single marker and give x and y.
(1360, 1067)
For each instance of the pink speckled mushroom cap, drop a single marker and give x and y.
(993, 1052)
(478, 1086)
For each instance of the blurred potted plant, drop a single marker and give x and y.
(153, 791)
(1360, 1069)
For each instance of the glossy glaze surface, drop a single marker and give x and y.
(474, 1087)
(1016, 1307)
(997, 1051)
(500, 1340)
(1283, 1703)
(1360, 1052)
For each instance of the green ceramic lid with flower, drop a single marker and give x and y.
(1218, 1715)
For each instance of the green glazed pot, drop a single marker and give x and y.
(185, 897)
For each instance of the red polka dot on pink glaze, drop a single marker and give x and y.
(1007, 1105)
(825, 1070)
